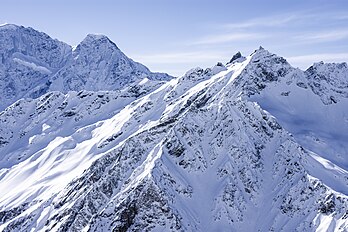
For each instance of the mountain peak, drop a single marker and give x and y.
(261, 50)
(98, 64)
(96, 39)
(324, 65)
(8, 26)
(19, 29)
(262, 55)
(236, 58)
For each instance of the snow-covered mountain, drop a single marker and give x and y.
(28, 59)
(33, 64)
(253, 145)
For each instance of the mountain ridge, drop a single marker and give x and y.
(211, 150)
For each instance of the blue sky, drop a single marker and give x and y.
(174, 36)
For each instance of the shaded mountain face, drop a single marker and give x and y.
(28, 58)
(98, 64)
(312, 105)
(33, 64)
(241, 147)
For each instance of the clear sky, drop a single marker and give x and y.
(176, 35)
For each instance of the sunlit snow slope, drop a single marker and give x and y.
(254, 145)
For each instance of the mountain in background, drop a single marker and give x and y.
(253, 145)
(33, 64)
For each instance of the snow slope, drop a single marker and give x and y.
(312, 105)
(212, 150)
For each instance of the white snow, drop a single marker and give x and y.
(8, 26)
(214, 156)
(143, 81)
(32, 66)
(45, 127)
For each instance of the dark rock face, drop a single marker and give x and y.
(235, 57)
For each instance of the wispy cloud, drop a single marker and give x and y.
(253, 29)
(278, 20)
(342, 16)
(290, 19)
(178, 57)
(228, 37)
(306, 60)
(323, 36)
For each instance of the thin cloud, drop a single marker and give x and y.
(229, 37)
(280, 20)
(323, 36)
(241, 31)
(178, 57)
(262, 22)
(307, 60)
(277, 20)
(343, 16)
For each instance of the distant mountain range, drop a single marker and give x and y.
(92, 141)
